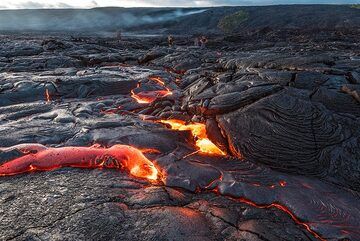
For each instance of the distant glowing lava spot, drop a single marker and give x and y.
(198, 131)
(282, 183)
(47, 95)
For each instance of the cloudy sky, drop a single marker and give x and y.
(14, 4)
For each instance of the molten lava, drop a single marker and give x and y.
(47, 95)
(40, 158)
(147, 97)
(198, 131)
(158, 80)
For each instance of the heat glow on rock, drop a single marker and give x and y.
(47, 95)
(147, 97)
(198, 131)
(285, 210)
(40, 158)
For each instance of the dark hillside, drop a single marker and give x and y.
(188, 21)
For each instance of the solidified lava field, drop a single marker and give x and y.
(246, 139)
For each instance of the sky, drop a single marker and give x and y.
(16, 4)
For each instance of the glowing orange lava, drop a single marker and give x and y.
(147, 97)
(285, 210)
(282, 183)
(47, 95)
(40, 158)
(158, 80)
(198, 131)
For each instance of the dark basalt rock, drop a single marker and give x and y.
(294, 135)
(232, 101)
(152, 55)
(309, 80)
(282, 78)
(355, 77)
(337, 102)
(122, 208)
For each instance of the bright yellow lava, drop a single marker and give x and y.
(146, 171)
(198, 131)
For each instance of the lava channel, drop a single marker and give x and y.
(41, 158)
(198, 131)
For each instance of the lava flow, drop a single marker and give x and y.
(40, 158)
(198, 131)
(147, 97)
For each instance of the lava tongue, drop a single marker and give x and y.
(46, 159)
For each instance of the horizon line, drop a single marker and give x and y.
(177, 7)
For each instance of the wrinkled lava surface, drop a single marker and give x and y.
(282, 121)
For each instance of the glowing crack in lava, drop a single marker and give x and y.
(198, 131)
(147, 97)
(47, 95)
(158, 80)
(283, 209)
(41, 158)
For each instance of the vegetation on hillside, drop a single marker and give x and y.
(230, 22)
(357, 6)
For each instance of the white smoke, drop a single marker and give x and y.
(59, 20)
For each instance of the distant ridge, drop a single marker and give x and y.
(178, 20)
